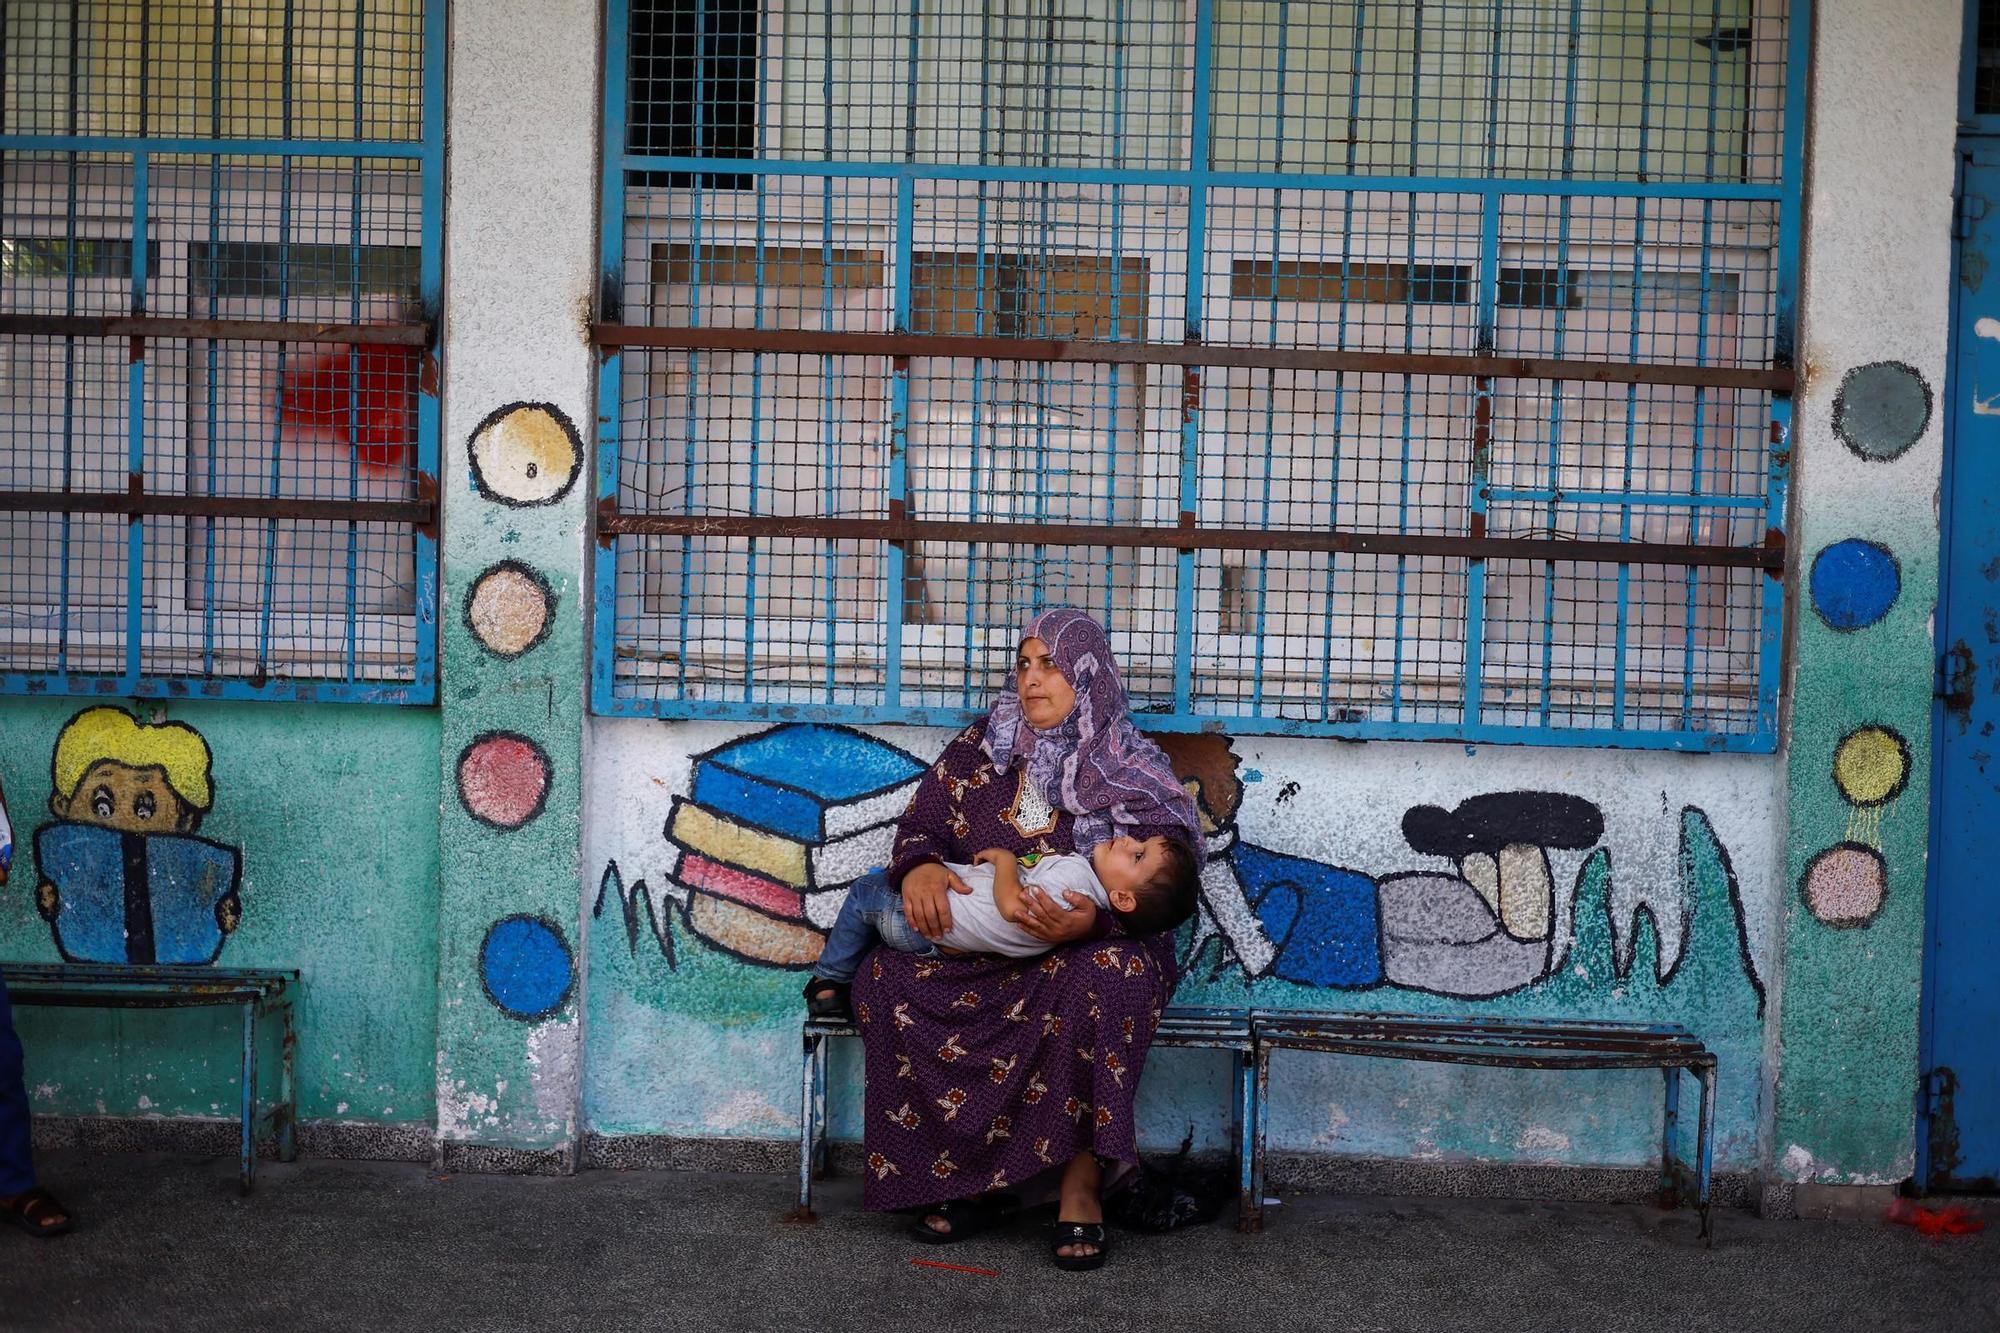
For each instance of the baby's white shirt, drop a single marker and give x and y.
(976, 923)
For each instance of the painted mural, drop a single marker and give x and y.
(1880, 411)
(1499, 893)
(522, 455)
(123, 877)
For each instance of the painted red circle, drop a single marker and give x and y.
(503, 780)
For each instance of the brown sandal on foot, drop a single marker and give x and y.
(37, 1212)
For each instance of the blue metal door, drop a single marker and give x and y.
(1961, 1095)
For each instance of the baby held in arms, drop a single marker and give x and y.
(1148, 885)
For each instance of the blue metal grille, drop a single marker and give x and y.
(219, 258)
(1376, 369)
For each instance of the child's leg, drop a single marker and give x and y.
(872, 914)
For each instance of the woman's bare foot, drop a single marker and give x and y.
(1079, 1201)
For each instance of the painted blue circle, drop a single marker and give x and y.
(1854, 583)
(526, 967)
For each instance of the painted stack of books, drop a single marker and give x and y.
(774, 829)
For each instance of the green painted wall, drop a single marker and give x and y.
(334, 811)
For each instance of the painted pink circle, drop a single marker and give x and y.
(1846, 885)
(503, 779)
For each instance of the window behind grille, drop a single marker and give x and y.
(222, 443)
(1380, 369)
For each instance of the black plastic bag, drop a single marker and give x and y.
(1167, 1193)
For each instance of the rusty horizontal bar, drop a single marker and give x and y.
(243, 330)
(1508, 1058)
(1448, 1046)
(611, 522)
(1504, 1028)
(1470, 1036)
(139, 504)
(1776, 379)
(54, 997)
(190, 974)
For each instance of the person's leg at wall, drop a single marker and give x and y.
(22, 1201)
(852, 936)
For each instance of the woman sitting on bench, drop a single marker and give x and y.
(989, 1075)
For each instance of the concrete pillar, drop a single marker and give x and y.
(1869, 441)
(520, 241)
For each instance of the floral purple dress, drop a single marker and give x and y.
(984, 1072)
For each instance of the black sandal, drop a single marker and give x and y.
(1079, 1233)
(833, 1005)
(965, 1218)
(26, 1210)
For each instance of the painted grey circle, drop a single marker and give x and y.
(1882, 409)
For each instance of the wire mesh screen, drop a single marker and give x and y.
(218, 261)
(1394, 369)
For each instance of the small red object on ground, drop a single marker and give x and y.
(955, 1268)
(1951, 1221)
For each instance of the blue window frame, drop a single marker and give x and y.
(1375, 369)
(220, 251)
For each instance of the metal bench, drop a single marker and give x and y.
(1518, 1043)
(258, 992)
(1180, 1027)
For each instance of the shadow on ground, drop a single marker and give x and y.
(165, 1242)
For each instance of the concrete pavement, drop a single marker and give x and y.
(164, 1242)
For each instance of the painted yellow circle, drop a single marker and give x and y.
(1870, 766)
(527, 455)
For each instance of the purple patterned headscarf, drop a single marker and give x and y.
(1094, 763)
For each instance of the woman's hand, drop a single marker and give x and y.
(927, 894)
(1047, 921)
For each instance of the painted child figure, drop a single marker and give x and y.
(1148, 885)
(124, 879)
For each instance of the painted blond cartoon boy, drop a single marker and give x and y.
(151, 892)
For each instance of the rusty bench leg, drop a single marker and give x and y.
(248, 1173)
(1670, 1136)
(288, 1095)
(1260, 1096)
(812, 1083)
(1248, 1216)
(1706, 1150)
